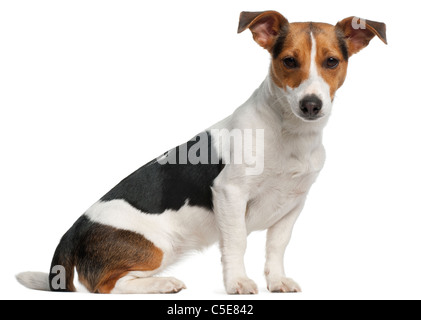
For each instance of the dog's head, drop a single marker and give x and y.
(310, 60)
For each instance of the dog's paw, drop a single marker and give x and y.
(241, 285)
(172, 285)
(283, 285)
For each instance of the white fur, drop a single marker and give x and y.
(137, 283)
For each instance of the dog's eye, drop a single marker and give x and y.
(290, 63)
(331, 63)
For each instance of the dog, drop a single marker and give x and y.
(204, 191)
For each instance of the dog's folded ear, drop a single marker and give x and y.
(265, 26)
(359, 32)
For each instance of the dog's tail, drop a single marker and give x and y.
(60, 278)
(34, 280)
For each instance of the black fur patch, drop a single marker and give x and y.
(156, 187)
(342, 44)
(280, 42)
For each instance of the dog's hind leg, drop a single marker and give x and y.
(111, 260)
(134, 283)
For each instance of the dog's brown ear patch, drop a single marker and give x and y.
(359, 32)
(265, 26)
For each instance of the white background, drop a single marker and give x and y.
(92, 90)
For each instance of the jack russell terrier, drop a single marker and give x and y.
(204, 191)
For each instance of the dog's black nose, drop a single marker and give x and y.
(311, 106)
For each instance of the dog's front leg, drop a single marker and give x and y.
(278, 237)
(230, 209)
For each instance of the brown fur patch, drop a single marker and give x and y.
(106, 254)
(265, 26)
(297, 44)
(359, 37)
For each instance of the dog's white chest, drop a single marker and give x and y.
(284, 186)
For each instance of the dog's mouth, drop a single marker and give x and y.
(313, 118)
